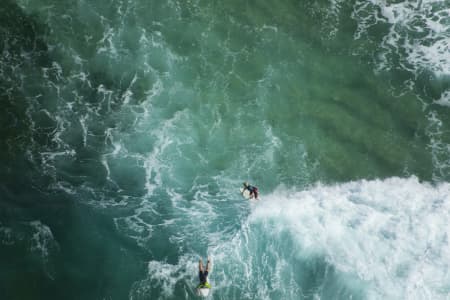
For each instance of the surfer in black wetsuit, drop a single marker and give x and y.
(252, 189)
(203, 274)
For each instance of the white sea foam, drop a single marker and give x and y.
(389, 235)
(106, 43)
(444, 100)
(438, 147)
(154, 162)
(365, 239)
(429, 18)
(333, 17)
(163, 277)
(44, 244)
(42, 239)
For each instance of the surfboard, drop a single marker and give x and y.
(204, 292)
(245, 193)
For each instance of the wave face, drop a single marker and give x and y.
(127, 127)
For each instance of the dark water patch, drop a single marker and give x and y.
(89, 259)
(430, 86)
(82, 252)
(19, 33)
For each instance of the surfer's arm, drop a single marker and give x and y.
(208, 265)
(200, 265)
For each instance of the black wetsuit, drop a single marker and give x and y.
(202, 276)
(253, 190)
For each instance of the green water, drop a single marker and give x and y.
(128, 127)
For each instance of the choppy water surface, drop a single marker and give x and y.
(128, 126)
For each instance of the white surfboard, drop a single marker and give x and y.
(204, 292)
(245, 193)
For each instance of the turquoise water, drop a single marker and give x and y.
(128, 127)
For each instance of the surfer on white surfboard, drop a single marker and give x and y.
(204, 286)
(252, 189)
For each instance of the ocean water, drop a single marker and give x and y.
(128, 126)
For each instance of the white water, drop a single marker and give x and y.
(419, 33)
(382, 239)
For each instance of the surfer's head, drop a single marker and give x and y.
(246, 184)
